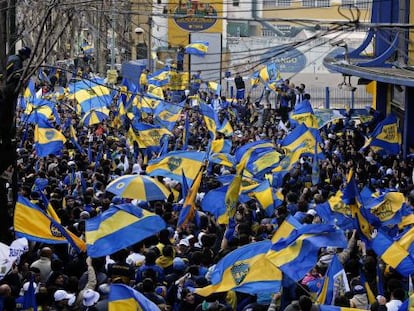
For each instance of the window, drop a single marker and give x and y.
(283, 3)
(361, 4)
(316, 3)
(269, 3)
(268, 33)
(236, 2)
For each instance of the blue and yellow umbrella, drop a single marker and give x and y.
(95, 116)
(139, 187)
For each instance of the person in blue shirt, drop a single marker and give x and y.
(180, 59)
(195, 83)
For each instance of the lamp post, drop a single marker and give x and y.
(140, 31)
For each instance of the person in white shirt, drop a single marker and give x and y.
(396, 300)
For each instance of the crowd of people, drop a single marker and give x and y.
(168, 266)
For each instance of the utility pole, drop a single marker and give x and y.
(113, 24)
(149, 43)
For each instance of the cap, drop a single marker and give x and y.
(26, 51)
(311, 212)
(62, 295)
(90, 297)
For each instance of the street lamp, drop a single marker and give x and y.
(140, 31)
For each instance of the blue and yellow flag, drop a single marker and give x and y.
(210, 118)
(385, 210)
(246, 270)
(298, 253)
(286, 228)
(304, 137)
(352, 198)
(303, 113)
(254, 79)
(122, 297)
(335, 283)
(31, 222)
(160, 77)
(221, 146)
(335, 308)
(396, 253)
(198, 48)
(225, 128)
(74, 138)
(172, 165)
(214, 203)
(188, 212)
(264, 194)
(90, 95)
(148, 135)
(386, 137)
(224, 159)
(336, 212)
(119, 227)
(47, 140)
(29, 94)
(251, 152)
(167, 114)
(268, 73)
(214, 87)
(262, 163)
(232, 196)
(288, 162)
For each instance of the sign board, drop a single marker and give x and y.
(193, 16)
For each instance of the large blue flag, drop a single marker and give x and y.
(298, 253)
(386, 137)
(397, 253)
(336, 212)
(210, 119)
(47, 139)
(385, 210)
(119, 227)
(173, 163)
(214, 203)
(245, 269)
(31, 222)
(303, 113)
(90, 95)
(167, 114)
(304, 137)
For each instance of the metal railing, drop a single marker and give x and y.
(326, 97)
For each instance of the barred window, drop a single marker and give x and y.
(316, 3)
(284, 3)
(362, 4)
(269, 3)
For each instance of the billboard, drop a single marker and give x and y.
(193, 16)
